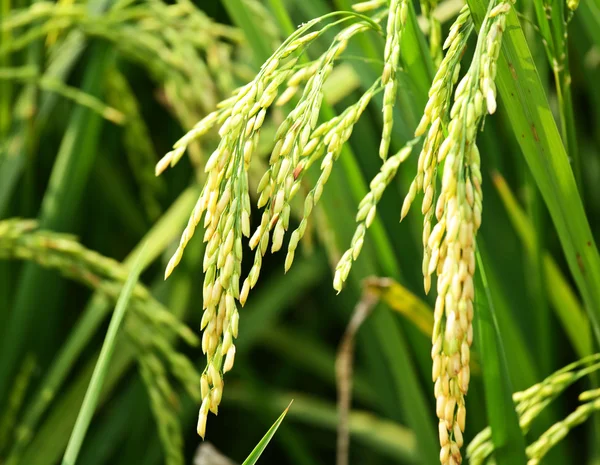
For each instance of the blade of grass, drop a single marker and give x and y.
(98, 376)
(381, 435)
(534, 127)
(264, 442)
(509, 444)
(564, 301)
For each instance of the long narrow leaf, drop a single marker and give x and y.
(262, 445)
(534, 127)
(564, 301)
(95, 387)
(509, 444)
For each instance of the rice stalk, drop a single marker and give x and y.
(101, 367)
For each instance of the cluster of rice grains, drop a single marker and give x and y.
(225, 200)
(530, 403)
(452, 217)
(395, 24)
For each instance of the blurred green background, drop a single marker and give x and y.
(93, 93)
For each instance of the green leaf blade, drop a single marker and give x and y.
(264, 442)
(509, 444)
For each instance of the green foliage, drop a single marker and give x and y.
(285, 126)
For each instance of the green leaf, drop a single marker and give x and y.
(99, 375)
(379, 434)
(535, 129)
(262, 445)
(509, 444)
(563, 299)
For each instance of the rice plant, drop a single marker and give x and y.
(310, 127)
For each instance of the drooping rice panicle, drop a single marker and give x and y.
(292, 137)
(328, 138)
(367, 210)
(436, 118)
(225, 202)
(532, 401)
(291, 154)
(453, 255)
(396, 21)
(449, 245)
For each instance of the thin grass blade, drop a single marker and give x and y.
(95, 387)
(509, 443)
(264, 442)
(563, 299)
